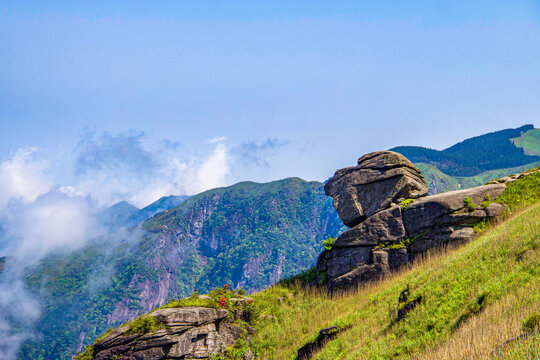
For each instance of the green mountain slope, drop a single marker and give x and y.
(529, 142)
(123, 214)
(438, 181)
(247, 235)
(478, 301)
(473, 156)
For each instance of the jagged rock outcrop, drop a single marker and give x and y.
(187, 333)
(384, 201)
(379, 180)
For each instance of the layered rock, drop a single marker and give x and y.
(379, 180)
(188, 333)
(385, 233)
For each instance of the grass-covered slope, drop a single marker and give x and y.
(248, 235)
(474, 299)
(496, 150)
(479, 301)
(529, 141)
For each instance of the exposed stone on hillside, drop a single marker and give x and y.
(449, 209)
(189, 333)
(385, 236)
(380, 180)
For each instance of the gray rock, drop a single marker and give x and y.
(383, 261)
(448, 209)
(384, 238)
(339, 261)
(356, 277)
(440, 237)
(190, 333)
(379, 180)
(384, 226)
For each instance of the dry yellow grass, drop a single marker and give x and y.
(484, 336)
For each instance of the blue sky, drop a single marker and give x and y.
(135, 91)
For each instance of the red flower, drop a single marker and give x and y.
(222, 301)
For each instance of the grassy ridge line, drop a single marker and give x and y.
(450, 285)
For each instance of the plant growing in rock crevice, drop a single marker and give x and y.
(405, 204)
(144, 324)
(328, 242)
(469, 204)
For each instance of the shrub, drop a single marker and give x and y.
(469, 204)
(405, 203)
(531, 323)
(328, 242)
(521, 193)
(88, 354)
(484, 204)
(144, 325)
(251, 314)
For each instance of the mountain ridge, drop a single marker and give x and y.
(490, 151)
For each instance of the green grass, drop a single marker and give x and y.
(521, 193)
(529, 142)
(143, 325)
(467, 293)
(451, 285)
(474, 299)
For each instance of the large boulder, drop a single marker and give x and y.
(381, 179)
(387, 234)
(188, 333)
(384, 227)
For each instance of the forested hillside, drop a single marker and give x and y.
(248, 235)
(473, 156)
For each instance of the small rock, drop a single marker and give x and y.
(248, 355)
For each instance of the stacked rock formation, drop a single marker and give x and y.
(383, 200)
(189, 333)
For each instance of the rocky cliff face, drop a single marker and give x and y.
(384, 201)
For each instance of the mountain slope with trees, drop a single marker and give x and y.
(473, 156)
(248, 235)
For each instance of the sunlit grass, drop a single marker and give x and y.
(502, 265)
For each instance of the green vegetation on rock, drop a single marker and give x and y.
(143, 325)
(328, 242)
(405, 204)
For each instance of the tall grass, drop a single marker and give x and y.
(502, 267)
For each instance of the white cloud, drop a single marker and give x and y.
(186, 177)
(53, 222)
(212, 173)
(22, 177)
(217, 139)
